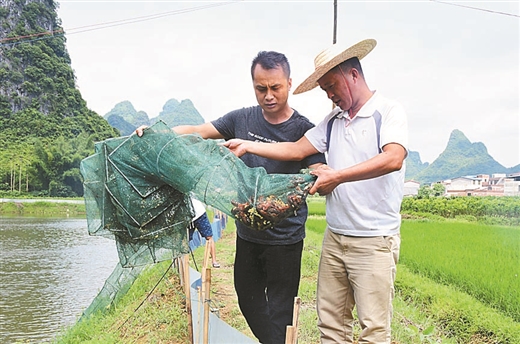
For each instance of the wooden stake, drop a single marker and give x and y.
(200, 293)
(203, 297)
(207, 252)
(187, 291)
(291, 336)
(207, 292)
(180, 270)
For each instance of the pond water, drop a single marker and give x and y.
(50, 271)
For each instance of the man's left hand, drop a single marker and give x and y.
(327, 181)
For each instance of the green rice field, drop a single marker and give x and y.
(480, 260)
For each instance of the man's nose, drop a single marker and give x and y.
(330, 94)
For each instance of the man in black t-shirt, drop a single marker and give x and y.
(267, 263)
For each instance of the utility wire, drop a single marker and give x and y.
(105, 25)
(59, 32)
(33, 40)
(477, 8)
(32, 35)
(144, 18)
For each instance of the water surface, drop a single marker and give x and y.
(50, 271)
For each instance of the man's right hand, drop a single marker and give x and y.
(139, 131)
(237, 146)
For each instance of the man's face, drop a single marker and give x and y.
(334, 83)
(271, 89)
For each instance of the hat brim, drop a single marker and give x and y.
(358, 50)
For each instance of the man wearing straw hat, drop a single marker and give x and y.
(365, 136)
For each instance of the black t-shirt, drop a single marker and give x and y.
(250, 124)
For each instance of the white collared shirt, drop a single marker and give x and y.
(369, 207)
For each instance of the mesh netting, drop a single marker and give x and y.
(143, 225)
(212, 173)
(137, 191)
(116, 286)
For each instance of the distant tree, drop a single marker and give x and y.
(438, 190)
(424, 192)
(427, 191)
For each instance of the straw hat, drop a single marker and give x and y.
(330, 58)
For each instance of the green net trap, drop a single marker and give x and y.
(137, 190)
(143, 176)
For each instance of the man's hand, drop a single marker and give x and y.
(327, 180)
(139, 131)
(237, 146)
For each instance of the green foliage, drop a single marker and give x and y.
(504, 210)
(5, 107)
(438, 190)
(427, 191)
(424, 192)
(45, 164)
(46, 127)
(3, 12)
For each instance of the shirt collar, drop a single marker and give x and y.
(367, 110)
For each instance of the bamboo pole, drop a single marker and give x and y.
(207, 291)
(200, 298)
(180, 270)
(296, 311)
(202, 291)
(291, 336)
(207, 251)
(187, 290)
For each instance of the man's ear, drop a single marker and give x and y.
(289, 83)
(355, 73)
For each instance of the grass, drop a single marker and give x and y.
(160, 319)
(459, 316)
(316, 205)
(481, 260)
(42, 208)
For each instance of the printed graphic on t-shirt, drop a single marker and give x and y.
(260, 138)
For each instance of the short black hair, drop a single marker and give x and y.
(271, 60)
(352, 62)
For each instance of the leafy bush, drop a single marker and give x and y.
(482, 208)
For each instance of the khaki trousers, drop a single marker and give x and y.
(356, 271)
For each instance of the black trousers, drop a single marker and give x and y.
(267, 278)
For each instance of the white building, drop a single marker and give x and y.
(411, 188)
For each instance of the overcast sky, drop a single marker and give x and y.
(452, 67)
